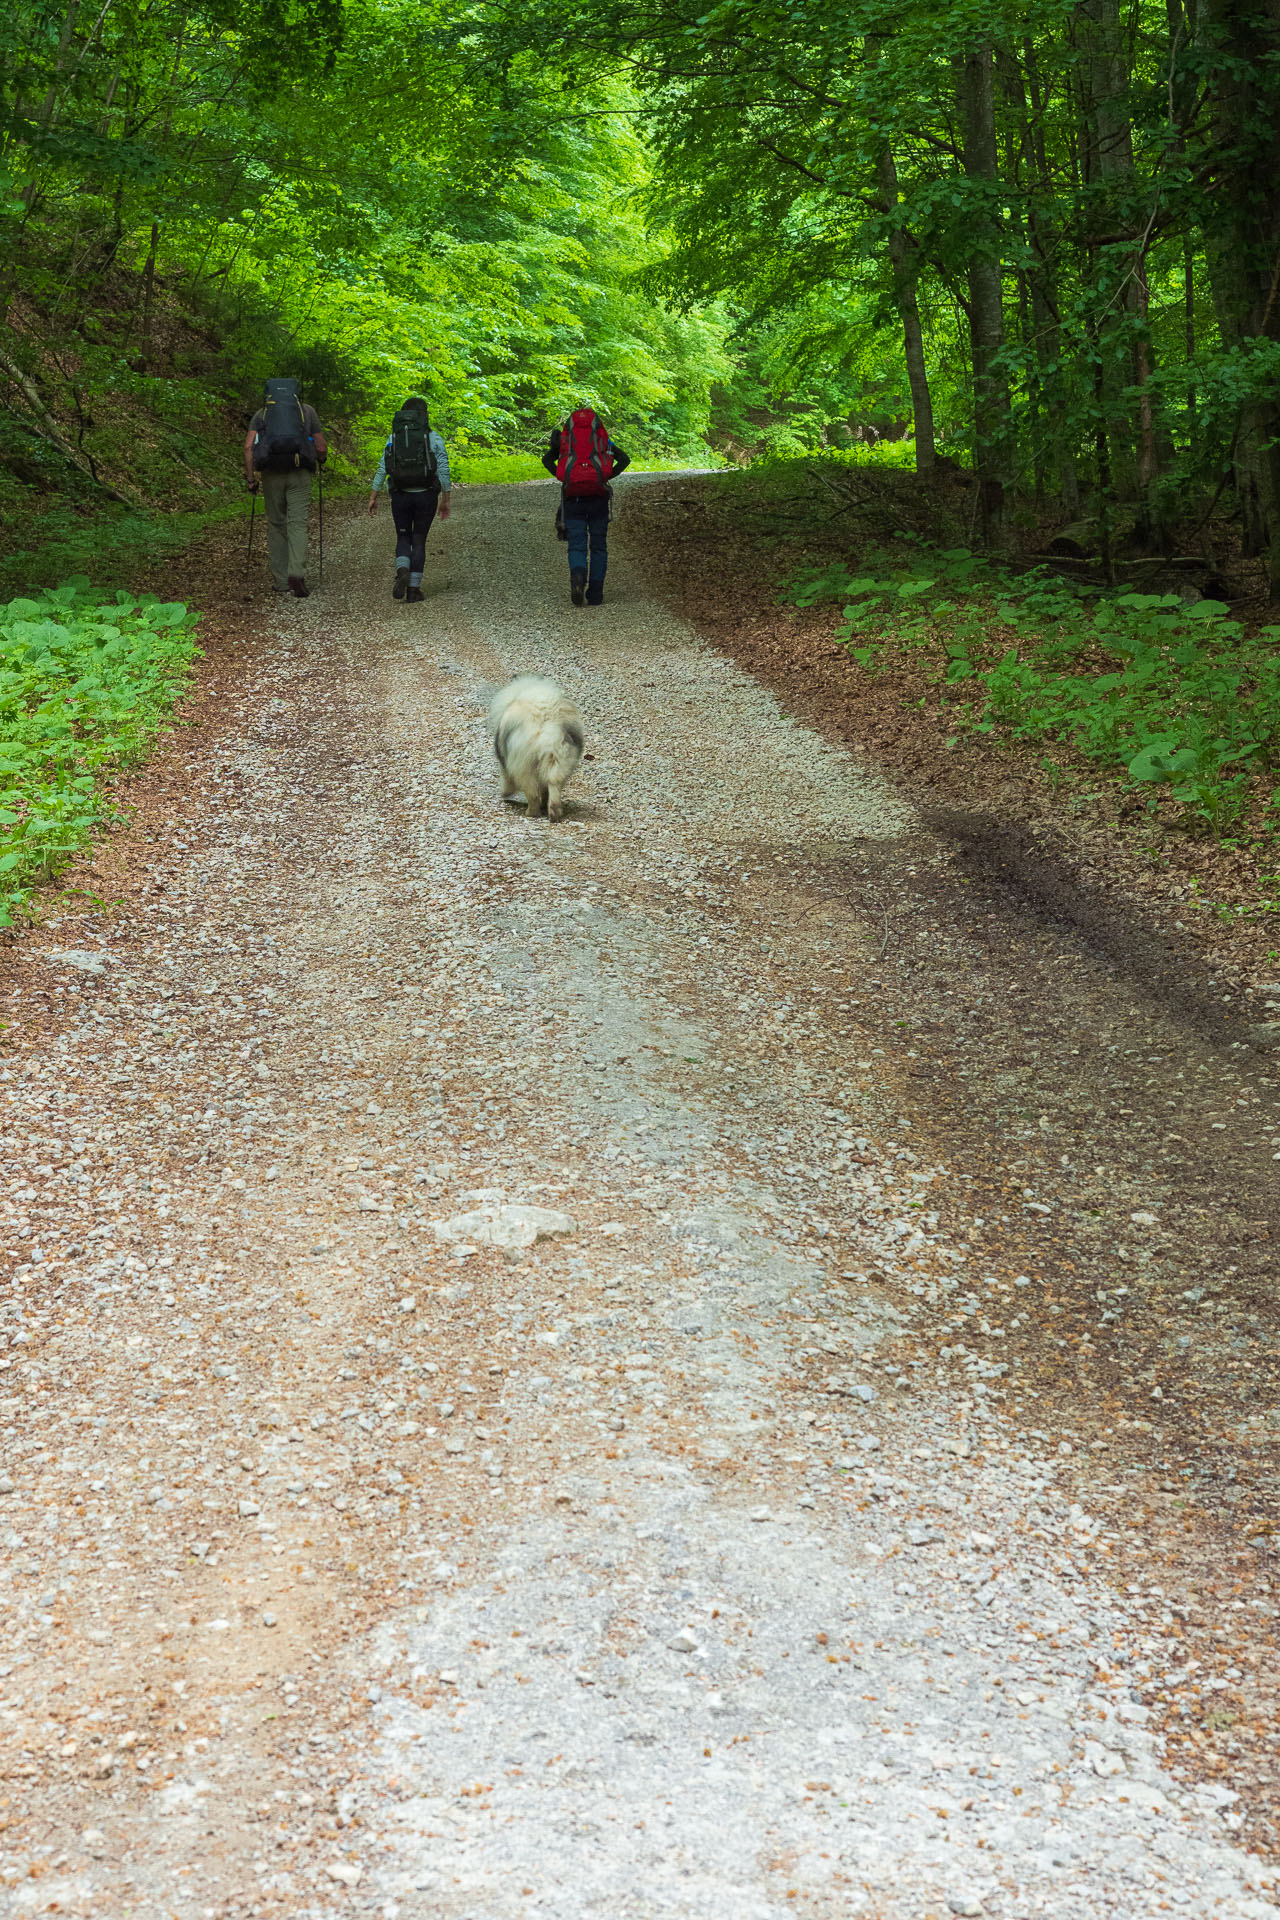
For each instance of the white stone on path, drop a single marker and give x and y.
(504, 1226)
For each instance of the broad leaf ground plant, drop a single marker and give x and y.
(1178, 699)
(86, 683)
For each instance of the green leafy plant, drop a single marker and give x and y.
(1179, 699)
(86, 683)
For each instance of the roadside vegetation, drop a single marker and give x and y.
(1180, 700)
(86, 684)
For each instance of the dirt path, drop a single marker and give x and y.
(712, 1557)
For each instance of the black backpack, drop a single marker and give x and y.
(283, 442)
(411, 464)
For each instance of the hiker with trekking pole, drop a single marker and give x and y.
(414, 469)
(584, 460)
(284, 450)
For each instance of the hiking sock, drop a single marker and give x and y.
(578, 586)
(415, 579)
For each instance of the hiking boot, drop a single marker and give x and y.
(578, 587)
(595, 596)
(401, 586)
(413, 596)
(298, 586)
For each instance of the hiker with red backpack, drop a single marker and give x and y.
(414, 468)
(584, 460)
(283, 450)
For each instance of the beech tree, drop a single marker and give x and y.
(1050, 240)
(1073, 213)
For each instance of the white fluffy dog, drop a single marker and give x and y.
(537, 737)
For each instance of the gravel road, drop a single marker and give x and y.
(356, 1563)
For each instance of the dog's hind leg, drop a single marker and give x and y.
(501, 740)
(555, 805)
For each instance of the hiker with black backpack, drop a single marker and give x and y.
(283, 449)
(415, 470)
(584, 460)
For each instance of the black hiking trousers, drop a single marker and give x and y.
(413, 514)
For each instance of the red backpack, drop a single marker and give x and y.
(585, 463)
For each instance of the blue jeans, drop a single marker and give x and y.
(587, 524)
(413, 514)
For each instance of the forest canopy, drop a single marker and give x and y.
(340, 186)
(1044, 242)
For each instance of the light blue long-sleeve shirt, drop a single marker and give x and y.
(441, 453)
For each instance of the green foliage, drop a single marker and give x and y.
(1058, 226)
(1180, 698)
(375, 207)
(771, 224)
(86, 684)
(479, 467)
(371, 209)
(813, 374)
(58, 541)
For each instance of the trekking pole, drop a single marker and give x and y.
(320, 479)
(248, 552)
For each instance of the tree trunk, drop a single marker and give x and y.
(1189, 337)
(1239, 51)
(149, 272)
(1104, 81)
(991, 417)
(148, 298)
(1042, 282)
(902, 265)
(1046, 313)
(45, 115)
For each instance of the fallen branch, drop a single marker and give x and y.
(46, 427)
(841, 493)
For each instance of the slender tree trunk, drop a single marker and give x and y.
(1183, 88)
(64, 47)
(1189, 336)
(1239, 50)
(1046, 317)
(1021, 174)
(148, 298)
(902, 265)
(1035, 420)
(149, 272)
(1103, 39)
(45, 115)
(991, 416)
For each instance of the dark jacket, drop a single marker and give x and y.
(621, 460)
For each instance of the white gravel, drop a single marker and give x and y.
(627, 1570)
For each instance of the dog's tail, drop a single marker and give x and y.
(557, 751)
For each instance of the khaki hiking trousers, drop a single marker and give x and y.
(286, 498)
